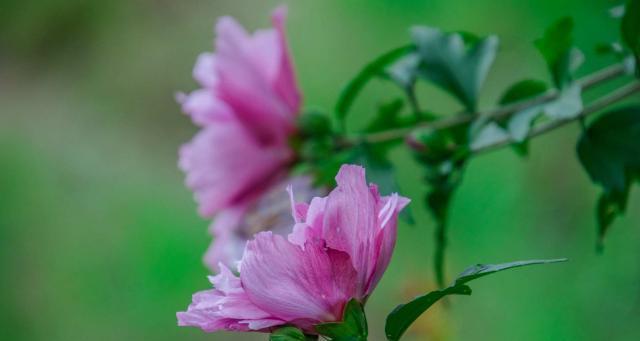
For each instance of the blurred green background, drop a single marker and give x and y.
(99, 239)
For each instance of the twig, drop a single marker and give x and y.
(585, 83)
(599, 104)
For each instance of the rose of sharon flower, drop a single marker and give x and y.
(272, 210)
(340, 246)
(247, 108)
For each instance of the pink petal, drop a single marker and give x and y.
(205, 108)
(350, 222)
(205, 71)
(361, 223)
(247, 66)
(291, 283)
(226, 167)
(285, 83)
(227, 307)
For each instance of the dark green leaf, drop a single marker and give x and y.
(387, 116)
(370, 71)
(562, 58)
(290, 334)
(609, 206)
(353, 326)
(631, 28)
(456, 67)
(443, 154)
(609, 152)
(404, 315)
(614, 49)
(522, 90)
(314, 123)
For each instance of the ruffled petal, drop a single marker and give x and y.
(350, 221)
(291, 283)
(361, 223)
(205, 70)
(247, 66)
(205, 108)
(227, 307)
(285, 81)
(226, 167)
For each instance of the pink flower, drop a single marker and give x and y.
(340, 247)
(247, 108)
(234, 227)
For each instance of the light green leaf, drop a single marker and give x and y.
(457, 67)
(404, 315)
(489, 134)
(566, 106)
(404, 70)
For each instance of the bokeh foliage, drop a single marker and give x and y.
(99, 239)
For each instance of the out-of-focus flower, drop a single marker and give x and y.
(272, 210)
(340, 247)
(247, 109)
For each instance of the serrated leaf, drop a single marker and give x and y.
(290, 334)
(374, 69)
(556, 46)
(399, 320)
(630, 28)
(610, 153)
(453, 65)
(353, 326)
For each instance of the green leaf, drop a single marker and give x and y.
(457, 67)
(370, 71)
(609, 206)
(404, 71)
(631, 28)
(566, 106)
(556, 46)
(485, 132)
(522, 90)
(487, 135)
(617, 12)
(387, 116)
(609, 152)
(314, 123)
(290, 334)
(352, 328)
(443, 153)
(399, 320)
